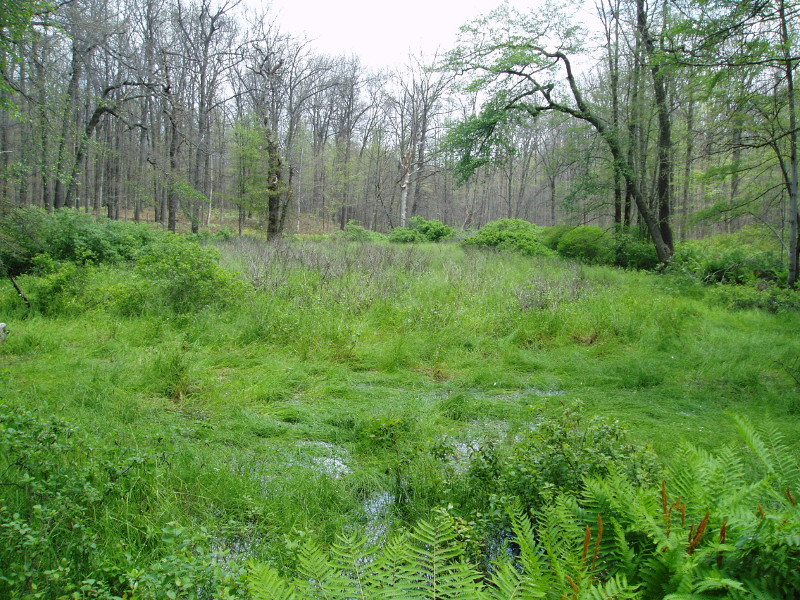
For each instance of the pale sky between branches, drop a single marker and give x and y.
(381, 32)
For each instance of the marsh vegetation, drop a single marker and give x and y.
(179, 406)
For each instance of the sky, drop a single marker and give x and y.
(381, 32)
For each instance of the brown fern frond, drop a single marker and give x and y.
(587, 540)
(701, 530)
(681, 507)
(723, 535)
(599, 539)
(574, 585)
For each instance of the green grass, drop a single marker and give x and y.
(334, 376)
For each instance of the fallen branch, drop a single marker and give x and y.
(20, 292)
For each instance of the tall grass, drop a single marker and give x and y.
(332, 375)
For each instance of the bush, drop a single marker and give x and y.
(421, 230)
(635, 251)
(555, 457)
(588, 243)
(763, 295)
(516, 235)
(720, 260)
(354, 232)
(59, 287)
(552, 235)
(433, 230)
(77, 237)
(55, 487)
(186, 276)
(21, 238)
(405, 235)
(58, 495)
(68, 235)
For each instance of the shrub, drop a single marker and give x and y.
(587, 243)
(55, 486)
(555, 456)
(421, 230)
(715, 260)
(764, 295)
(516, 235)
(58, 289)
(635, 251)
(552, 235)
(58, 493)
(354, 232)
(21, 238)
(68, 235)
(405, 235)
(433, 230)
(711, 528)
(77, 237)
(186, 276)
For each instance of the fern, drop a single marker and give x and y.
(616, 588)
(434, 569)
(711, 530)
(508, 583)
(772, 453)
(265, 583)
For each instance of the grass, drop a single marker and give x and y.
(334, 376)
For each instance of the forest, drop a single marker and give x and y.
(678, 117)
(514, 321)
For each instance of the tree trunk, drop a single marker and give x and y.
(794, 222)
(274, 186)
(664, 183)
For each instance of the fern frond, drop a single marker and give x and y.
(529, 555)
(508, 583)
(350, 557)
(616, 588)
(265, 583)
(433, 568)
(318, 577)
(718, 583)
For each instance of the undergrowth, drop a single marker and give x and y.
(175, 411)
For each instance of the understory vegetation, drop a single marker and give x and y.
(222, 417)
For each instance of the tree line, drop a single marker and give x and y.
(675, 118)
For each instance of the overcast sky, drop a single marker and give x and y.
(381, 32)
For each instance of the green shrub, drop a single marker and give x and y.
(21, 239)
(68, 235)
(58, 288)
(635, 251)
(60, 491)
(77, 237)
(185, 276)
(588, 243)
(516, 235)
(405, 235)
(433, 230)
(711, 528)
(54, 487)
(763, 295)
(552, 235)
(555, 456)
(354, 232)
(421, 230)
(717, 260)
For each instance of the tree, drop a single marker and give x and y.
(16, 18)
(724, 39)
(522, 61)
